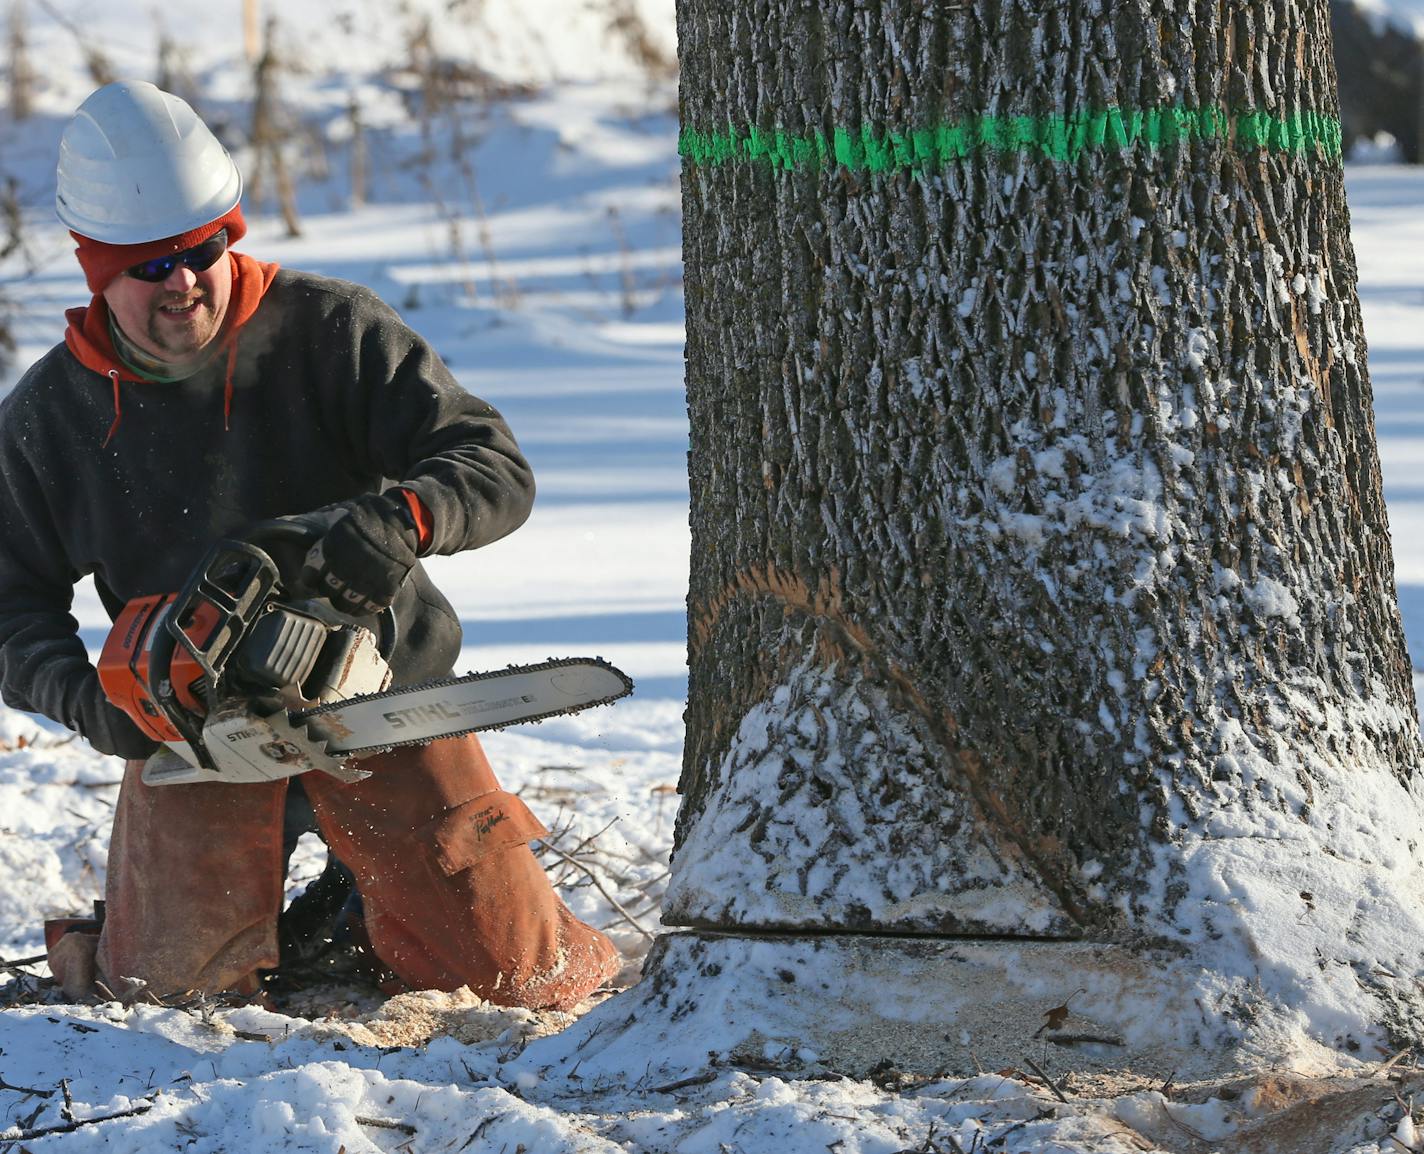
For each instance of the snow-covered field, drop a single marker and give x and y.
(1406, 15)
(541, 256)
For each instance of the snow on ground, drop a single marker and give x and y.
(548, 276)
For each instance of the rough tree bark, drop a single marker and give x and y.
(1041, 580)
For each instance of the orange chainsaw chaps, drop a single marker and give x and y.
(453, 894)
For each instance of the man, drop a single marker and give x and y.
(200, 392)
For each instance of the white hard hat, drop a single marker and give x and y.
(137, 164)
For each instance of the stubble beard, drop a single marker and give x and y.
(178, 337)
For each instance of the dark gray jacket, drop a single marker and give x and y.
(333, 397)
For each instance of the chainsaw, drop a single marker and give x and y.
(244, 680)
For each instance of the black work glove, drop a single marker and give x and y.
(104, 725)
(361, 561)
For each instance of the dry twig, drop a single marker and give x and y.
(4, 1085)
(69, 1127)
(598, 885)
(682, 1083)
(34, 961)
(1047, 1081)
(1385, 1066)
(385, 1124)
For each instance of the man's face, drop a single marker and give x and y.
(177, 318)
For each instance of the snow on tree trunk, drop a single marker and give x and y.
(1041, 580)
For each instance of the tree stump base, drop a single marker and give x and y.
(862, 1005)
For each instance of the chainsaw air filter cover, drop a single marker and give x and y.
(281, 650)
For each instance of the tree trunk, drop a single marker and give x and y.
(251, 30)
(1041, 581)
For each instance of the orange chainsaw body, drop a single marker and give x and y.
(124, 661)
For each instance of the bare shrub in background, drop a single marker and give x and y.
(627, 26)
(96, 60)
(12, 241)
(450, 99)
(272, 130)
(358, 161)
(173, 73)
(22, 74)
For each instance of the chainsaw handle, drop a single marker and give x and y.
(305, 534)
(234, 582)
(221, 599)
(160, 665)
(282, 531)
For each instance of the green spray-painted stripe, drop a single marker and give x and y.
(1061, 138)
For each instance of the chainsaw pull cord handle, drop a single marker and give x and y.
(303, 534)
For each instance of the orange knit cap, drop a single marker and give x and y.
(102, 262)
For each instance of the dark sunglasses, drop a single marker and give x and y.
(197, 258)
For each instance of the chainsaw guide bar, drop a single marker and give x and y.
(452, 707)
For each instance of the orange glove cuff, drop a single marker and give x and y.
(424, 525)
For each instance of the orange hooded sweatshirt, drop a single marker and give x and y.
(90, 341)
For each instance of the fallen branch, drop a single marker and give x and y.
(682, 1083)
(481, 1128)
(1001, 1138)
(4, 1085)
(1384, 1066)
(1084, 1039)
(1047, 1081)
(1191, 1132)
(598, 885)
(133, 990)
(385, 1124)
(70, 1127)
(36, 960)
